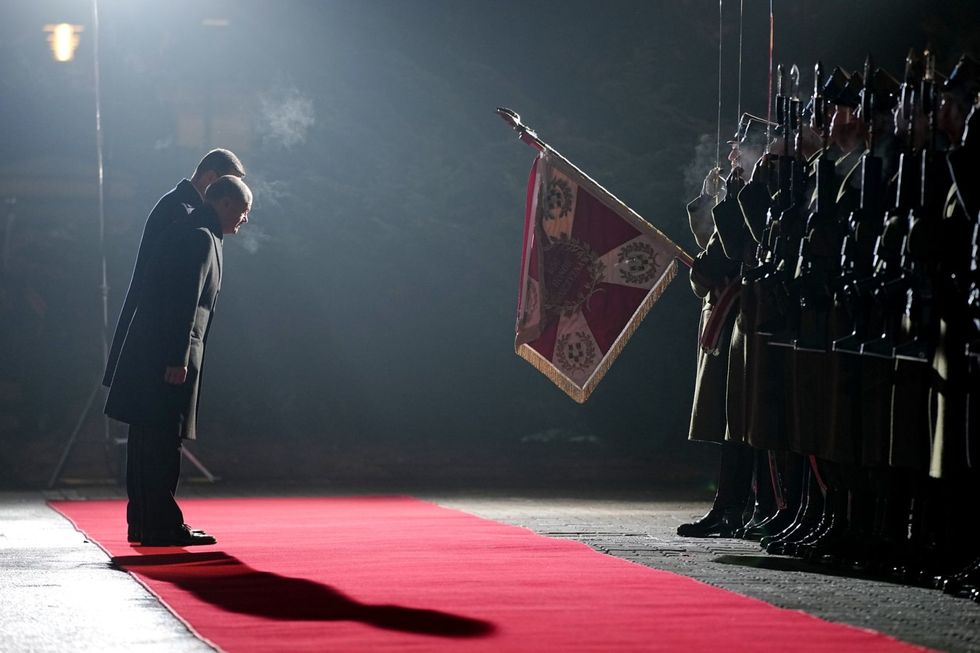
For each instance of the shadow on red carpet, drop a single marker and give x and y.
(229, 584)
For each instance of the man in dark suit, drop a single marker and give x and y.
(172, 207)
(157, 378)
(175, 205)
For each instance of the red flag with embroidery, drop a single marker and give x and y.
(591, 270)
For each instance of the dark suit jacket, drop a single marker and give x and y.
(170, 208)
(170, 327)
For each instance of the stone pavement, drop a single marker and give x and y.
(59, 592)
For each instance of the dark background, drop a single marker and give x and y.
(364, 332)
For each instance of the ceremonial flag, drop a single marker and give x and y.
(591, 270)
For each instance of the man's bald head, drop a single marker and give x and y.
(228, 186)
(231, 199)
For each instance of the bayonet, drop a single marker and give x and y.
(818, 118)
(868, 99)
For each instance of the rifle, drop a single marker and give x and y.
(815, 294)
(792, 223)
(863, 227)
(768, 318)
(919, 320)
(891, 280)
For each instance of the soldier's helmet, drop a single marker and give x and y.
(834, 86)
(886, 90)
(850, 93)
(752, 131)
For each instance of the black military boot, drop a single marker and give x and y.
(734, 485)
(833, 522)
(834, 517)
(718, 522)
(889, 541)
(789, 485)
(967, 577)
(956, 571)
(805, 522)
(915, 563)
(852, 548)
(764, 495)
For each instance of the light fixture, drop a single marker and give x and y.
(63, 38)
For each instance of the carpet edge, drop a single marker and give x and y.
(193, 631)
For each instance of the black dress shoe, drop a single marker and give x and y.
(134, 534)
(181, 536)
(719, 522)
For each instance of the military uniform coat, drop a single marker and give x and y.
(738, 246)
(170, 327)
(952, 446)
(821, 403)
(756, 403)
(712, 270)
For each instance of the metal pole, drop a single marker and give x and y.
(104, 285)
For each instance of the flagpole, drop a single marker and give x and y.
(530, 137)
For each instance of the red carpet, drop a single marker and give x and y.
(398, 574)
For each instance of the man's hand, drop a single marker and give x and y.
(712, 185)
(175, 375)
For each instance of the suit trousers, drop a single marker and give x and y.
(152, 475)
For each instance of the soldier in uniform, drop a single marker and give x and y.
(712, 274)
(820, 153)
(870, 376)
(743, 385)
(949, 363)
(813, 401)
(954, 446)
(910, 414)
